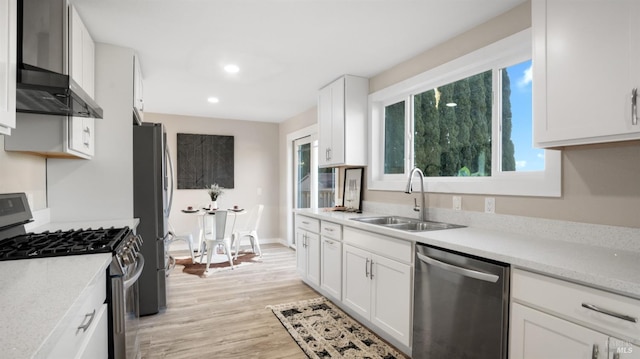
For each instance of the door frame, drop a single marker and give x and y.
(291, 137)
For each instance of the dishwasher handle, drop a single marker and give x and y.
(487, 277)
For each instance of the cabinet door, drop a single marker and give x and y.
(391, 297)
(301, 252)
(324, 125)
(584, 74)
(536, 335)
(337, 153)
(331, 267)
(356, 283)
(313, 258)
(75, 42)
(138, 100)
(82, 53)
(8, 60)
(81, 135)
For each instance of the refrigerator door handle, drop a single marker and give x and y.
(170, 189)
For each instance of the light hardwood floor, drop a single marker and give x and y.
(224, 315)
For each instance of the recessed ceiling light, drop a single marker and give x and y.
(213, 100)
(232, 68)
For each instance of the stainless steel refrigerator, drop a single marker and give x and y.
(152, 195)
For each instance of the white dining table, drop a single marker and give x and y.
(203, 213)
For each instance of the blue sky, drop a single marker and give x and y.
(527, 157)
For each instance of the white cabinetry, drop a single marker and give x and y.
(377, 281)
(82, 53)
(138, 98)
(342, 121)
(331, 259)
(308, 249)
(82, 70)
(8, 39)
(584, 75)
(86, 327)
(561, 325)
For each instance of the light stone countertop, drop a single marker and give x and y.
(38, 295)
(613, 269)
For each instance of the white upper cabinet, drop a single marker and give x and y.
(81, 53)
(138, 98)
(342, 121)
(8, 33)
(586, 58)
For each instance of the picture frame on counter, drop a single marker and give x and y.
(352, 189)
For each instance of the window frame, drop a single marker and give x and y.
(506, 52)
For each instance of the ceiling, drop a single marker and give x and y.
(286, 49)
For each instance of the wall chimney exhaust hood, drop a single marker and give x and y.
(42, 85)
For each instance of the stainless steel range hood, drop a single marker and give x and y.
(43, 85)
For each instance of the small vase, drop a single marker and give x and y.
(213, 205)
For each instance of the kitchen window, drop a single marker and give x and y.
(467, 125)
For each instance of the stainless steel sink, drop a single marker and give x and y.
(386, 220)
(406, 224)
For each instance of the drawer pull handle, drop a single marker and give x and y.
(610, 313)
(595, 352)
(634, 106)
(88, 318)
(328, 229)
(305, 222)
(366, 268)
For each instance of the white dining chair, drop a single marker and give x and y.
(217, 233)
(249, 229)
(173, 237)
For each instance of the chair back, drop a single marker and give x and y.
(221, 224)
(253, 219)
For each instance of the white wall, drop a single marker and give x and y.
(256, 169)
(102, 188)
(22, 172)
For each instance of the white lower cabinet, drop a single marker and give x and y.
(550, 319)
(308, 255)
(85, 329)
(331, 267)
(536, 335)
(378, 289)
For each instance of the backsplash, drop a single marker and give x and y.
(23, 172)
(624, 238)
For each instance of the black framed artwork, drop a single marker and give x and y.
(352, 189)
(204, 160)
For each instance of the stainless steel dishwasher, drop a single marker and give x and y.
(461, 306)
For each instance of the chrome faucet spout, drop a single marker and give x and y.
(423, 208)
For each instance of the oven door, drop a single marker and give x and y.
(126, 312)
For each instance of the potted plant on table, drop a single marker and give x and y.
(215, 191)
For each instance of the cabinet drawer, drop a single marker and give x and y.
(568, 300)
(331, 230)
(83, 321)
(375, 243)
(308, 223)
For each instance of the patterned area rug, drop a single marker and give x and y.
(244, 259)
(324, 331)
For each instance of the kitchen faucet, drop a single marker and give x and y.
(423, 208)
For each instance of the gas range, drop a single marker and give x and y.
(59, 243)
(126, 265)
(119, 241)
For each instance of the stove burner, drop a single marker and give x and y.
(59, 243)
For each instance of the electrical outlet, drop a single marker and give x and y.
(490, 205)
(457, 203)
